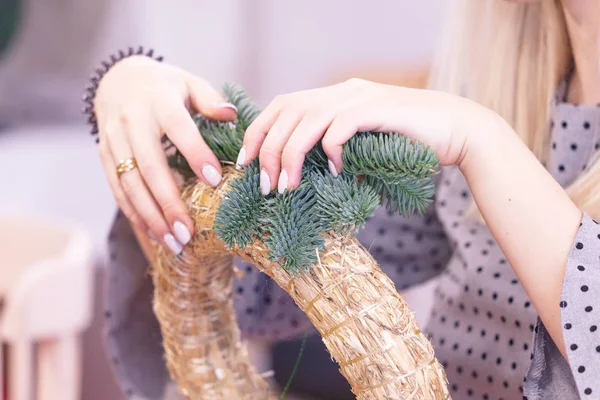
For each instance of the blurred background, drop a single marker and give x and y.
(49, 166)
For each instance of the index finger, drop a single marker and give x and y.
(208, 102)
(153, 166)
(175, 120)
(257, 131)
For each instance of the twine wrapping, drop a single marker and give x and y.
(365, 324)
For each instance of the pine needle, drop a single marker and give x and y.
(294, 228)
(240, 214)
(379, 168)
(343, 203)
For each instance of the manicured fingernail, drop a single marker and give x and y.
(227, 105)
(241, 159)
(332, 169)
(182, 232)
(172, 243)
(265, 182)
(211, 174)
(283, 181)
(152, 235)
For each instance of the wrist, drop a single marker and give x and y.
(91, 89)
(487, 133)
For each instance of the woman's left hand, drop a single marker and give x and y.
(292, 124)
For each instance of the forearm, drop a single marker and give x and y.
(529, 214)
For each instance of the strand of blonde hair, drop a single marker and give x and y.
(518, 78)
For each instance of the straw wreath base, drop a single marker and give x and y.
(365, 324)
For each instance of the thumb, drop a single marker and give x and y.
(208, 102)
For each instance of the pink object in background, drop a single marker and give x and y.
(46, 276)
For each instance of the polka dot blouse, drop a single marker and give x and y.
(484, 328)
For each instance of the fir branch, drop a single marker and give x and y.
(294, 229)
(240, 214)
(406, 197)
(224, 138)
(343, 203)
(378, 168)
(390, 157)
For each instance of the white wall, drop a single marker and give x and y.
(273, 47)
(305, 44)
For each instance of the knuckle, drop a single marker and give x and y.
(267, 152)
(129, 186)
(328, 143)
(132, 216)
(279, 100)
(315, 113)
(171, 207)
(149, 170)
(111, 128)
(294, 112)
(343, 116)
(139, 223)
(121, 199)
(156, 223)
(123, 115)
(292, 156)
(172, 118)
(354, 82)
(135, 219)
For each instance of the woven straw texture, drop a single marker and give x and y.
(365, 324)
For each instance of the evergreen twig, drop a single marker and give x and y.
(294, 229)
(406, 197)
(390, 157)
(240, 214)
(343, 203)
(379, 168)
(223, 138)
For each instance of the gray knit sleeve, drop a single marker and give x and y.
(550, 376)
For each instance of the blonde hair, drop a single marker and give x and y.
(511, 57)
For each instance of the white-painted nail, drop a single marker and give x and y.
(151, 235)
(241, 159)
(283, 182)
(211, 174)
(172, 243)
(182, 232)
(227, 105)
(332, 169)
(265, 182)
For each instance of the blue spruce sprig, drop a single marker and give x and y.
(379, 168)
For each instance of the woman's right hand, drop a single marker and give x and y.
(137, 101)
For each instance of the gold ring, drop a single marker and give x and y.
(126, 165)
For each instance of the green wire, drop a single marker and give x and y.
(289, 382)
